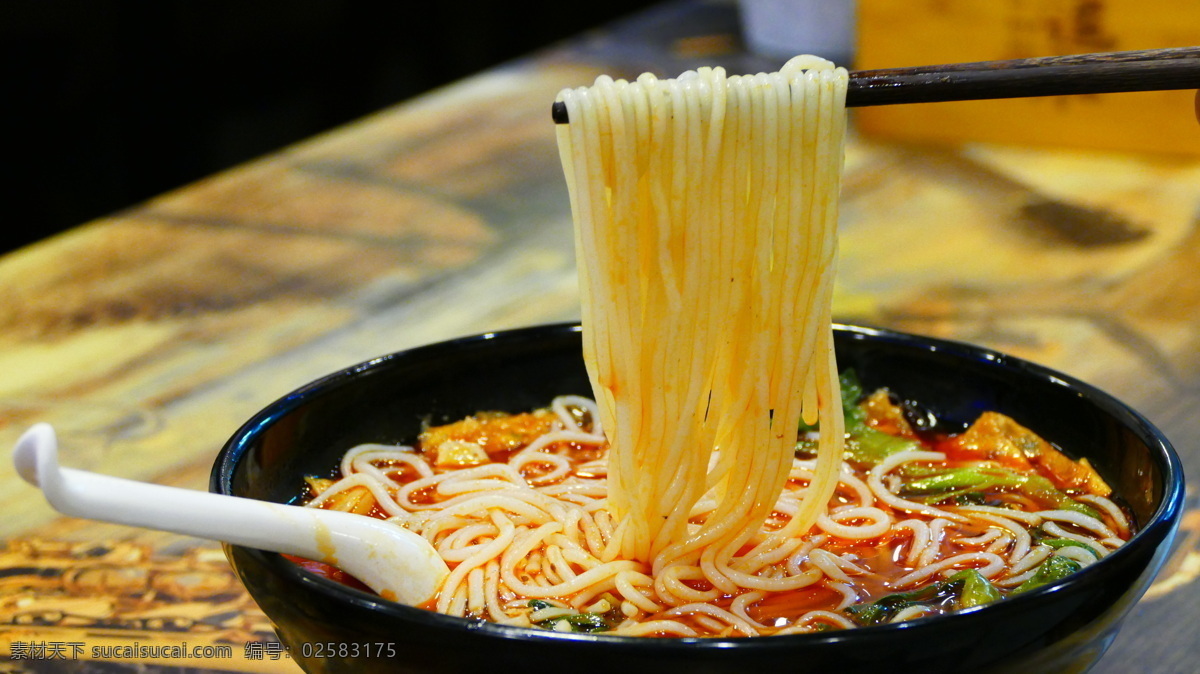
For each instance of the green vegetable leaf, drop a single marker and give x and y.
(975, 590)
(869, 446)
(1059, 543)
(965, 589)
(1054, 568)
(864, 445)
(579, 622)
(852, 393)
(587, 622)
(885, 608)
(972, 477)
(953, 484)
(1042, 489)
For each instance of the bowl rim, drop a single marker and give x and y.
(1161, 524)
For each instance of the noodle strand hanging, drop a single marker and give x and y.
(706, 210)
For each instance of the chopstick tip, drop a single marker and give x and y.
(558, 112)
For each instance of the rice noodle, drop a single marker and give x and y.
(878, 522)
(1078, 519)
(1119, 521)
(1021, 540)
(806, 622)
(1056, 530)
(886, 495)
(992, 565)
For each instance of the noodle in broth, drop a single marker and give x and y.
(522, 518)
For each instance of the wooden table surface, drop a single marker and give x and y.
(147, 337)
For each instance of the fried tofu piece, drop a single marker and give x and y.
(996, 437)
(357, 500)
(493, 432)
(885, 415)
(458, 454)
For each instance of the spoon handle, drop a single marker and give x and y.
(241, 521)
(395, 562)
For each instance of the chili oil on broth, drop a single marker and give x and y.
(850, 578)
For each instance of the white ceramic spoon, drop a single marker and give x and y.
(398, 564)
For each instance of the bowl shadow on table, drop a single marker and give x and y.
(1063, 627)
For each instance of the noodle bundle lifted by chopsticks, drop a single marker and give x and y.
(705, 210)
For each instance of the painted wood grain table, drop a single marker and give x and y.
(147, 337)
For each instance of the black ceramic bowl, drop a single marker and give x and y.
(1061, 627)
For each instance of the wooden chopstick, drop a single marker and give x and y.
(1102, 73)
(1111, 72)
